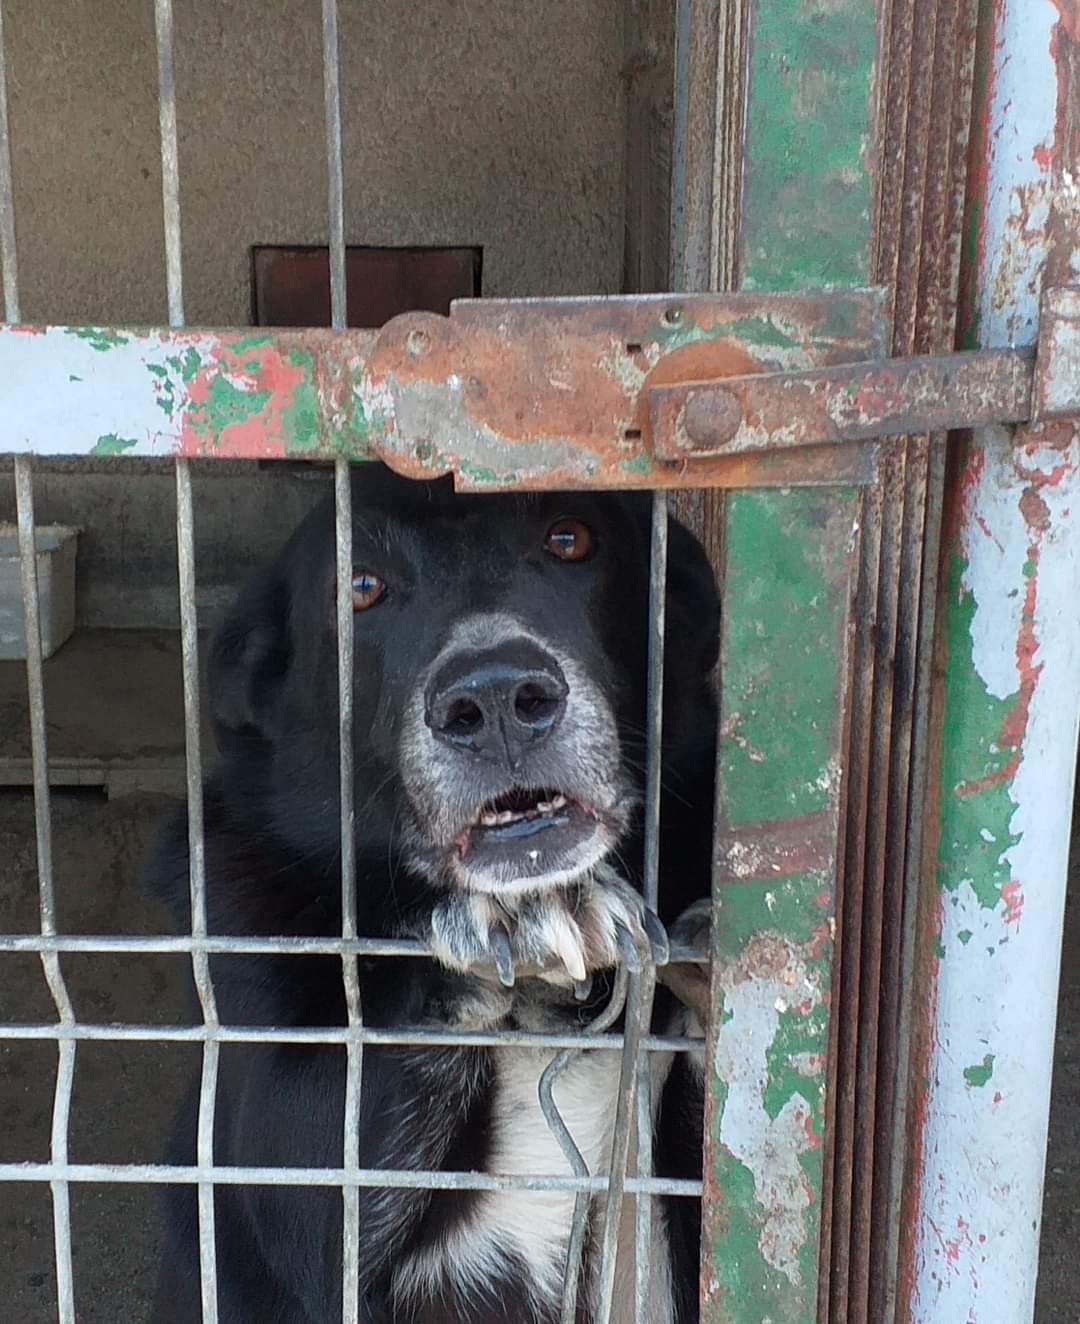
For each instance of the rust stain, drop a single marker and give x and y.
(844, 403)
(1068, 17)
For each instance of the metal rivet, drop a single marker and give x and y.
(417, 343)
(711, 417)
(672, 316)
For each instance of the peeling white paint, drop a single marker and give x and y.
(980, 1199)
(1023, 111)
(769, 1147)
(997, 986)
(60, 393)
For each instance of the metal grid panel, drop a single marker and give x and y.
(636, 977)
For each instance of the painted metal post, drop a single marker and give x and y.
(993, 906)
(789, 121)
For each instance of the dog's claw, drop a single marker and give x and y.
(583, 989)
(657, 936)
(501, 950)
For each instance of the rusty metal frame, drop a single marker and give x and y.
(503, 394)
(644, 391)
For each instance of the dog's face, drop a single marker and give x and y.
(499, 678)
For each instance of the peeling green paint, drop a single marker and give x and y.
(789, 566)
(782, 655)
(111, 444)
(186, 364)
(225, 406)
(762, 332)
(166, 389)
(806, 204)
(978, 1075)
(976, 763)
(640, 464)
(769, 955)
(101, 338)
(480, 473)
(257, 340)
(801, 1035)
(742, 1274)
(786, 905)
(300, 422)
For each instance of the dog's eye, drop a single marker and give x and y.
(367, 589)
(569, 540)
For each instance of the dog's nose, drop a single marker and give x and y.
(497, 702)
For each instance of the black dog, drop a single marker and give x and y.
(499, 686)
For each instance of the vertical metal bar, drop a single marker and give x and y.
(658, 552)
(189, 642)
(546, 1091)
(65, 1072)
(334, 171)
(995, 865)
(8, 251)
(642, 986)
(170, 165)
(354, 1062)
(350, 970)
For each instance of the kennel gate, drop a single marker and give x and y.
(868, 1093)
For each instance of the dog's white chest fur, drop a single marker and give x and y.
(532, 1228)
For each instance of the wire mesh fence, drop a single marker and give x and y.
(629, 1171)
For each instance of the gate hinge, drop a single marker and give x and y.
(858, 401)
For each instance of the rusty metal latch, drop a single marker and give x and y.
(858, 401)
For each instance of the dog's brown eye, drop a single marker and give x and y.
(569, 540)
(367, 590)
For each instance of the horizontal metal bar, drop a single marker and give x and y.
(414, 1038)
(161, 1174)
(853, 402)
(105, 944)
(433, 395)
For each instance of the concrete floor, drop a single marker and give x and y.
(125, 1093)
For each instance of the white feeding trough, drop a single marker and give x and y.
(55, 547)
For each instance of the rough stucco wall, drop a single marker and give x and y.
(492, 122)
(125, 570)
(465, 122)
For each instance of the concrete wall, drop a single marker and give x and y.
(126, 576)
(492, 122)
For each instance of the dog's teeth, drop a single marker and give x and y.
(489, 819)
(506, 817)
(544, 806)
(559, 802)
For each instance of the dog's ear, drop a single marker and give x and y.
(248, 661)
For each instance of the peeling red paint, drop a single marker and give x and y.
(1035, 511)
(251, 373)
(820, 942)
(1013, 896)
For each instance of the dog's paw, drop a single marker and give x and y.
(689, 980)
(563, 935)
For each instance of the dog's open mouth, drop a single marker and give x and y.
(528, 831)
